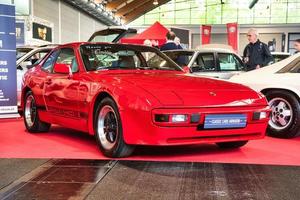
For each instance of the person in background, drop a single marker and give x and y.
(297, 45)
(177, 42)
(170, 44)
(256, 53)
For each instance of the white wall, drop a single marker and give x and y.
(70, 24)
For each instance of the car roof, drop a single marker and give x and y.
(138, 46)
(203, 50)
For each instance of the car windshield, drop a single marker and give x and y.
(182, 58)
(116, 56)
(293, 67)
(21, 52)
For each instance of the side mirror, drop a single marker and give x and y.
(62, 68)
(186, 69)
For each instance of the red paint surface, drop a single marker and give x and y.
(70, 101)
(60, 142)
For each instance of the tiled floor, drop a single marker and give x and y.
(100, 179)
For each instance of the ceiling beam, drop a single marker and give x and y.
(131, 6)
(139, 11)
(114, 4)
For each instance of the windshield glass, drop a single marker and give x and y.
(293, 67)
(115, 56)
(182, 58)
(21, 52)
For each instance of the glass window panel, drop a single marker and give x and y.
(198, 21)
(183, 14)
(214, 14)
(168, 21)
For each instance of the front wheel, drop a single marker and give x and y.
(285, 116)
(108, 130)
(31, 116)
(231, 145)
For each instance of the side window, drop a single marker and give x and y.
(228, 62)
(67, 56)
(204, 63)
(48, 64)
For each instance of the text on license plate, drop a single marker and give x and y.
(215, 121)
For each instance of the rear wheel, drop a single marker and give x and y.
(31, 116)
(285, 116)
(108, 130)
(231, 145)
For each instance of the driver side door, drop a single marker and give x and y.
(61, 90)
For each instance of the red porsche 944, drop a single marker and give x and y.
(128, 95)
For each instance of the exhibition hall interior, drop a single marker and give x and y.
(150, 99)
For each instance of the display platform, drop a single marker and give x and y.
(66, 143)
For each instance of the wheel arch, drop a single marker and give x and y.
(266, 90)
(98, 98)
(23, 94)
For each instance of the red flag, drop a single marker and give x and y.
(206, 34)
(232, 35)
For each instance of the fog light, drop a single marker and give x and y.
(179, 118)
(263, 115)
(161, 118)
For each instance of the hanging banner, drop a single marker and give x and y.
(232, 35)
(8, 83)
(206, 34)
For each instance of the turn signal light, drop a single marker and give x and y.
(259, 115)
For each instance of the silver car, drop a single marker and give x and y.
(214, 62)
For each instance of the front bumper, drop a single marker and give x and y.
(140, 130)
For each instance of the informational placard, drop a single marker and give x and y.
(8, 84)
(20, 32)
(41, 32)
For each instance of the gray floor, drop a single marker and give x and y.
(96, 179)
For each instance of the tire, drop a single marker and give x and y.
(231, 145)
(32, 121)
(285, 109)
(108, 130)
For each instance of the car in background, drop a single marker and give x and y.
(218, 61)
(279, 56)
(113, 92)
(22, 50)
(30, 55)
(280, 83)
(112, 34)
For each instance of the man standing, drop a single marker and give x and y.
(256, 53)
(170, 44)
(297, 45)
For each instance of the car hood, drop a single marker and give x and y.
(172, 89)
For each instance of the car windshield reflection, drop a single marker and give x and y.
(125, 57)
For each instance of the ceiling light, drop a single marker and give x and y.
(155, 2)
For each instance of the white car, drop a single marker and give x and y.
(280, 83)
(27, 60)
(218, 61)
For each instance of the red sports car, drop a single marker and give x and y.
(129, 95)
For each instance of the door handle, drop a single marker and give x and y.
(48, 81)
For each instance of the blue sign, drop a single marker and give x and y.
(8, 83)
(225, 121)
